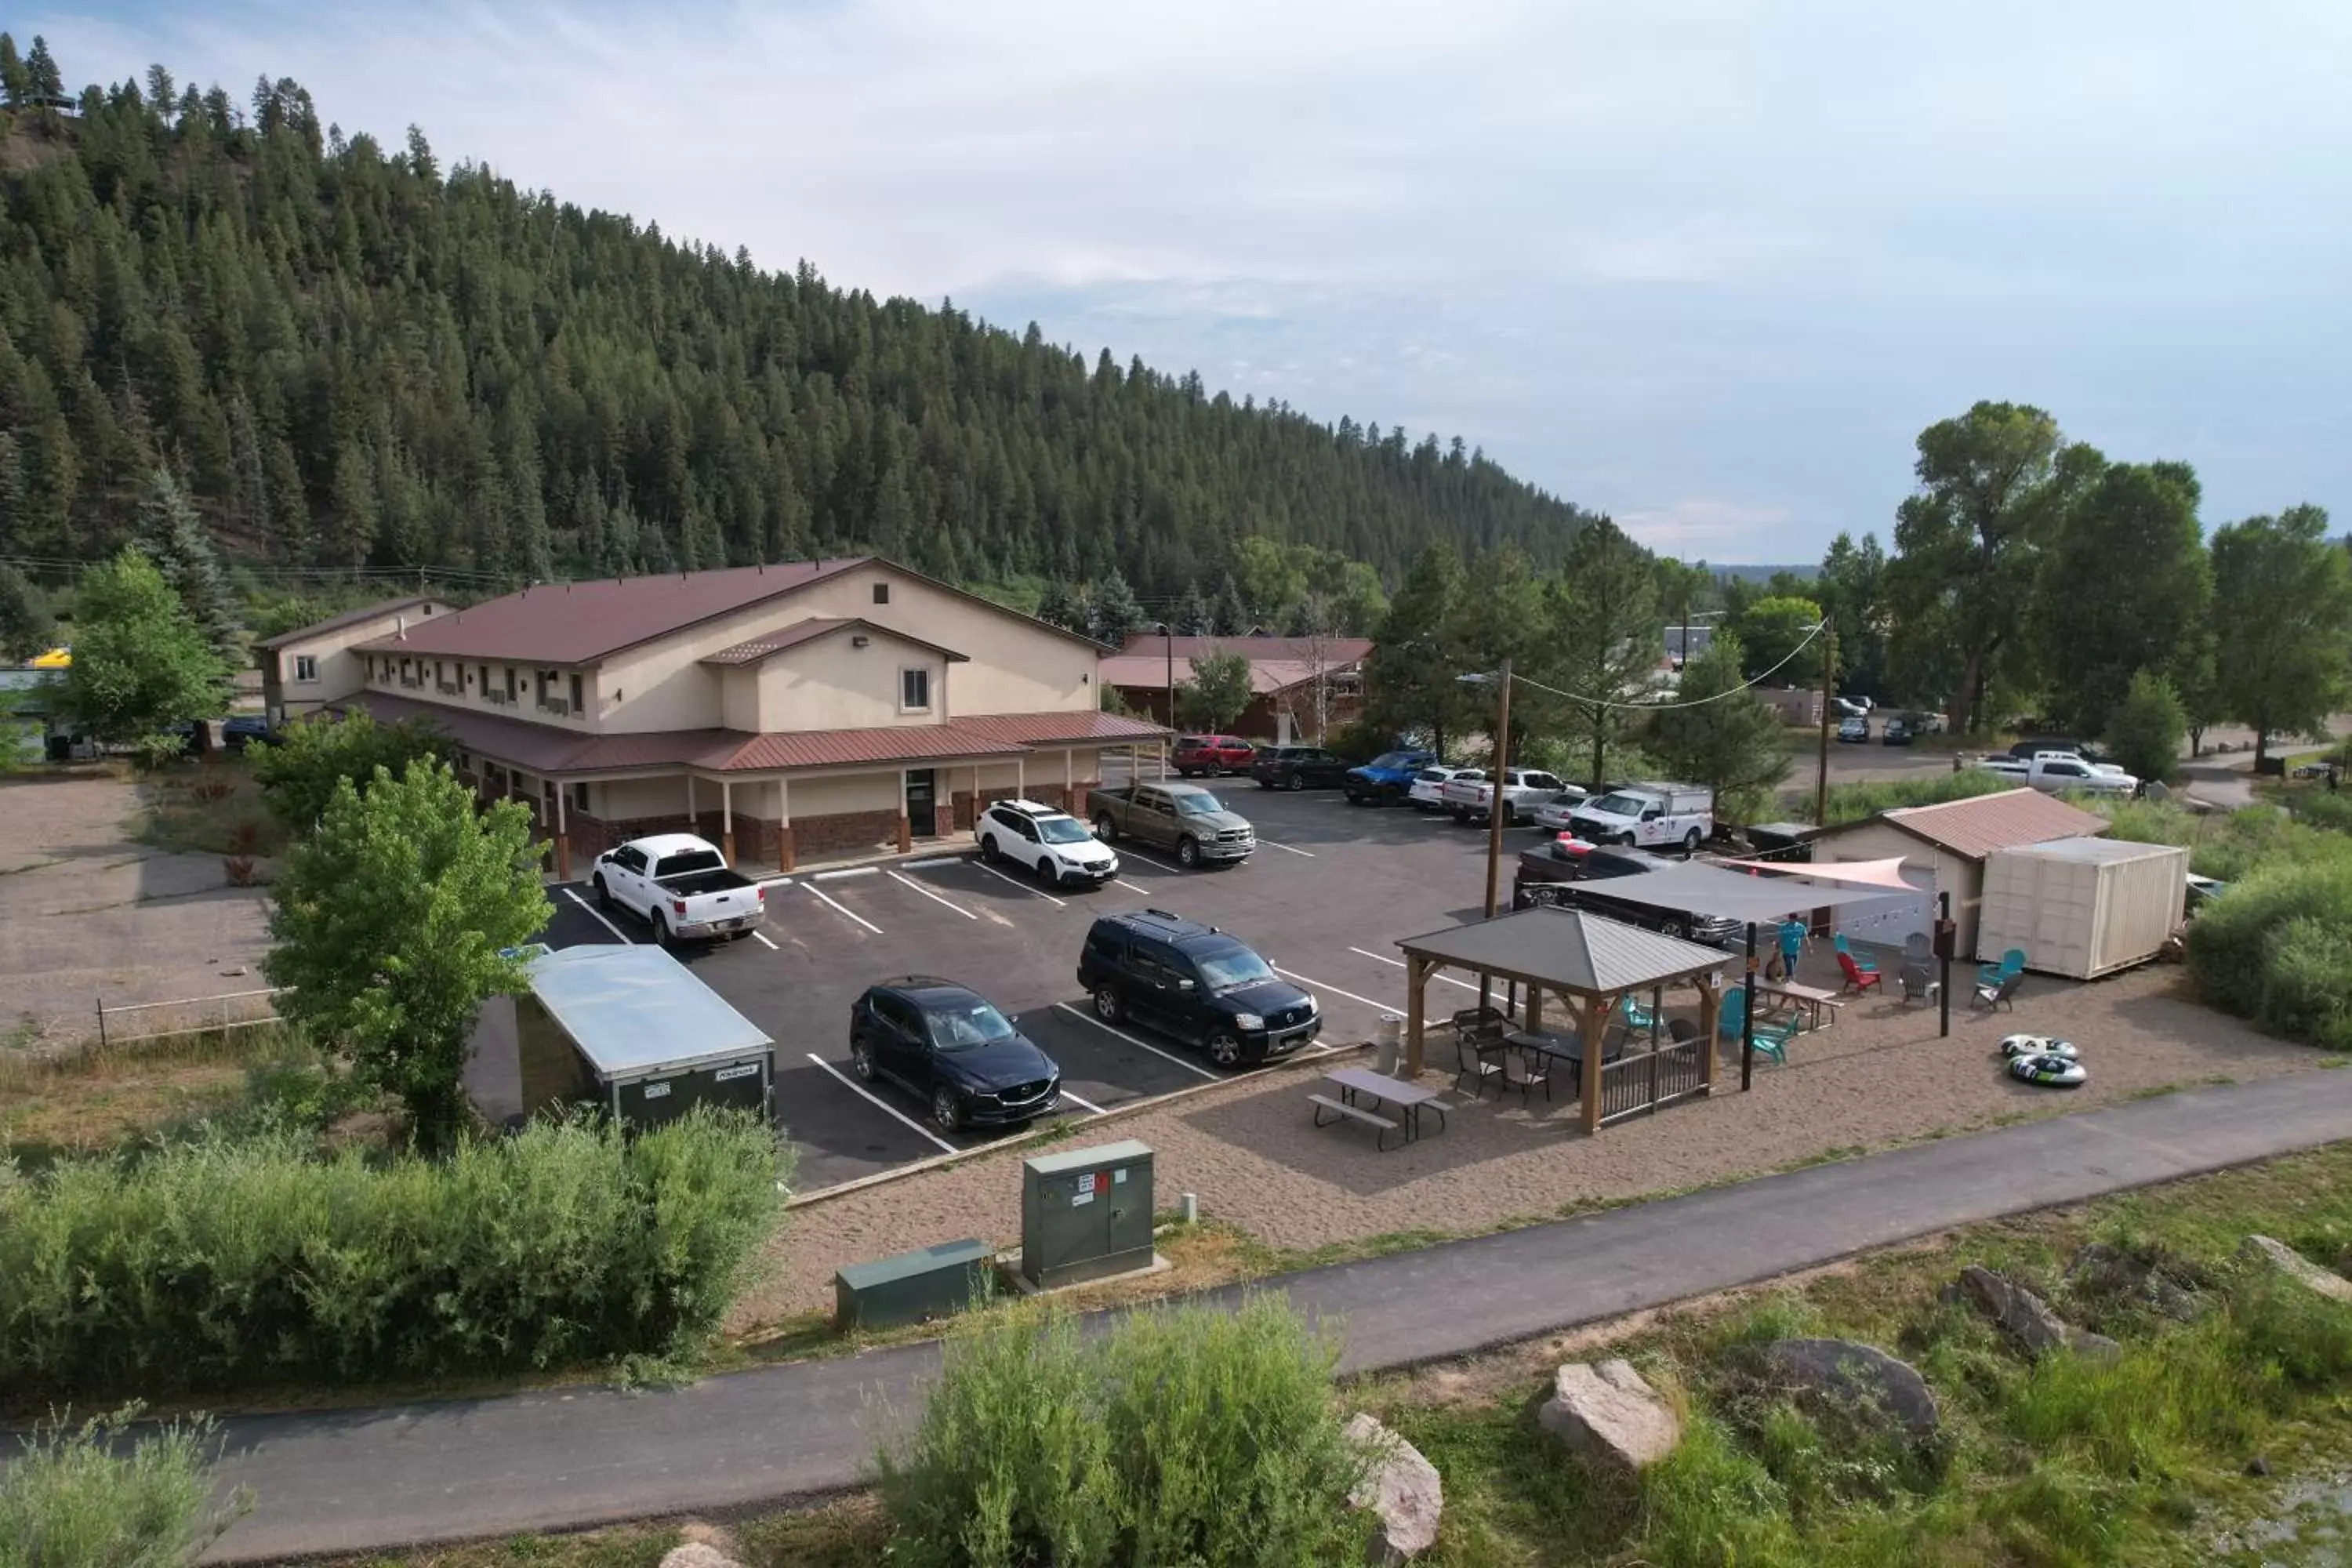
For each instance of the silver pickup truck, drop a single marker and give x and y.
(1186, 820)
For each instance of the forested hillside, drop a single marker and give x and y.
(353, 355)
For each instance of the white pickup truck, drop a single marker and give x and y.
(1651, 814)
(2056, 773)
(1470, 794)
(681, 885)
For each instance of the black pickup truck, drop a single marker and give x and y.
(1569, 874)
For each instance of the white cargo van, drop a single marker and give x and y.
(1650, 814)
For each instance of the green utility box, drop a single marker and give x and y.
(1085, 1214)
(914, 1286)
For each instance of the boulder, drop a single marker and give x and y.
(2299, 1267)
(698, 1554)
(1402, 1491)
(1609, 1412)
(1845, 1377)
(2100, 1271)
(2027, 1317)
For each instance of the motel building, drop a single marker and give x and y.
(805, 710)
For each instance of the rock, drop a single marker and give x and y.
(2099, 1270)
(2027, 1317)
(1610, 1413)
(1402, 1491)
(1836, 1378)
(2299, 1267)
(2258, 1465)
(697, 1554)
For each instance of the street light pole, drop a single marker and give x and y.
(1495, 790)
(1822, 767)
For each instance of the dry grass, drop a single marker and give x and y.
(86, 1101)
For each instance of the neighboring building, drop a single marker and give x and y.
(1301, 688)
(799, 710)
(1701, 639)
(314, 667)
(1798, 705)
(1943, 849)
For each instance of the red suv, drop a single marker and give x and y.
(1213, 754)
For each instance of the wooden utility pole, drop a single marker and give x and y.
(1822, 767)
(1495, 790)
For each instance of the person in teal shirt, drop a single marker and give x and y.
(1792, 946)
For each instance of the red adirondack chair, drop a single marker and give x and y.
(1857, 979)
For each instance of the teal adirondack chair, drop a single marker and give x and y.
(1867, 966)
(1990, 975)
(1637, 1016)
(1772, 1040)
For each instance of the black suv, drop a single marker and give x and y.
(1298, 767)
(949, 1046)
(1197, 983)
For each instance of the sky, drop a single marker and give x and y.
(1708, 267)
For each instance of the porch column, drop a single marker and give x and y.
(1163, 760)
(784, 824)
(727, 819)
(1534, 1008)
(563, 838)
(1596, 1015)
(1069, 779)
(1710, 1001)
(693, 812)
(1021, 776)
(906, 836)
(1416, 981)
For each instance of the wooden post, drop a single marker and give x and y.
(693, 812)
(1710, 999)
(562, 836)
(906, 837)
(784, 857)
(1416, 981)
(1534, 1008)
(727, 819)
(1596, 1012)
(1070, 782)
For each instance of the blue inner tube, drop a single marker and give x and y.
(2051, 1071)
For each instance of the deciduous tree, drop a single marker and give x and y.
(2146, 726)
(141, 663)
(1770, 632)
(314, 756)
(2126, 587)
(2282, 615)
(1217, 692)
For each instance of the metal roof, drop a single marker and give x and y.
(348, 618)
(753, 649)
(1569, 950)
(841, 748)
(635, 1012)
(1697, 888)
(2098, 851)
(1976, 827)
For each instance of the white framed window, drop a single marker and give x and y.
(306, 666)
(913, 691)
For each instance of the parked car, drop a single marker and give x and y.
(1428, 791)
(1197, 983)
(246, 730)
(1186, 820)
(1470, 795)
(1049, 844)
(1578, 876)
(1386, 778)
(2056, 772)
(1898, 732)
(681, 885)
(1298, 767)
(1212, 755)
(2027, 750)
(1648, 815)
(1855, 727)
(952, 1049)
(1854, 707)
(1554, 813)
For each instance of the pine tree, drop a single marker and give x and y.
(15, 81)
(26, 628)
(42, 68)
(1111, 610)
(1193, 616)
(170, 535)
(1233, 611)
(1608, 636)
(1058, 606)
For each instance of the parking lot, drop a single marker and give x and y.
(1330, 890)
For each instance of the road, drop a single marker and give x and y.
(373, 1480)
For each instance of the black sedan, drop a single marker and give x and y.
(1299, 767)
(951, 1047)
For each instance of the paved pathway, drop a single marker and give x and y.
(381, 1478)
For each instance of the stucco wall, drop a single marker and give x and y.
(833, 684)
(1017, 666)
(341, 671)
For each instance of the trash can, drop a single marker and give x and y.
(1388, 1043)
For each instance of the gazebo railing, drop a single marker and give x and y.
(1639, 1083)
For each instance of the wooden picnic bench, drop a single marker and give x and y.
(1355, 1084)
(1341, 1108)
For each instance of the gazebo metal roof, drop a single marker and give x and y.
(1569, 950)
(1701, 890)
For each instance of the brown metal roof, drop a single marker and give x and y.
(543, 748)
(1569, 950)
(754, 649)
(1976, 827)
(578, 623)
(1056, 728)
(1335, 651)
(348, 618)
(848, 748)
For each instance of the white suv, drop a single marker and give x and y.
(1055, 846)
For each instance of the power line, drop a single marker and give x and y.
(1694, 702)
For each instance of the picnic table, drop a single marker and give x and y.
(1815, 1003)
(1357, 1085)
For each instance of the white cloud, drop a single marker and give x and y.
(1716, 247)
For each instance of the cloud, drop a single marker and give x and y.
(1722, 248)
(1722, 531)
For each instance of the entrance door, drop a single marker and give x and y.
(922, 803)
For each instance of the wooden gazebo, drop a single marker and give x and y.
(1590, 963)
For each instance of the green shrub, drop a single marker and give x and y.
(2277, 949)
(1182, 1436)
(83, 1496)
(2293, 1332)
(2330, 809)
(226, 1261)
(1854, 801)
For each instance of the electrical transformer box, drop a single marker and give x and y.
(1085, 1214)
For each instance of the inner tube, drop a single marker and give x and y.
(2049, 1070)
(2016, 1046)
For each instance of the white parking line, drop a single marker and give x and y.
(1124, 886)
(1089, 1104)
(934, 860)
(1398, 962)
(597, 915)
(1131, 1039)
(1319, 986)
(854, 1087)
(1033, 892)
(762, 938)
(845, 871)
(853, 914)
(1270, 844)
(910, 883)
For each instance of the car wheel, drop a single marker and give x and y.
(661, 930)
(988, 849)
(1106, 1005)
(1226, 1049)
(1106, 829)
(1675, 929)
(947, 1111)
(861, 1060)
(1510, 818)
(1188, 853)
(603, 896)
(1690, 842)
(1296, 782)
(1049, 876)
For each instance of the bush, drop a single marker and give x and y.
(79, 1497)
(1854, 801)
(1182, 1436)
(227, 1261)
(2328, 810)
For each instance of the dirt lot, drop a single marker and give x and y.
(86, 912)
(1881, 1074)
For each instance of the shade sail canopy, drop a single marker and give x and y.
(1568, 950)
(1886, 874)
(1693, 888)
(633, 1010)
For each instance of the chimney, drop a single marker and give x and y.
(400, 627)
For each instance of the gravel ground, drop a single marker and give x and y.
(1881, 1074)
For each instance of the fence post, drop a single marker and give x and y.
(101, 1023)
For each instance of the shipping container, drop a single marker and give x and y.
(631, 1030)
(2082, 907)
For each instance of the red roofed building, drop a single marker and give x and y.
(791, 710)
(1300, 688)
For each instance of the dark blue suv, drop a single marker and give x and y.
(953, 1049)
(1386, 778)
(1197, 983)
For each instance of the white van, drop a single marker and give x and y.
(1650, 814)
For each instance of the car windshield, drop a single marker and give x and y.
(1620, 804)
(1231, 967)
(1394, 760)
(966, 1025)
(1201, 805)
(1062, 830)
(1469, 776)
(1191, 743)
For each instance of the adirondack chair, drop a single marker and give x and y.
(1637, 1016)
(1772, 1040)
(1857, 979)
(1867, 966)
(1991, 998)
(1990, 975)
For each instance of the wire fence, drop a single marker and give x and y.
(123, 1022)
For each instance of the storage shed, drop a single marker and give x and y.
(630, 1029)
(2082, 906)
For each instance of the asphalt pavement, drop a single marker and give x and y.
(380, 1480)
